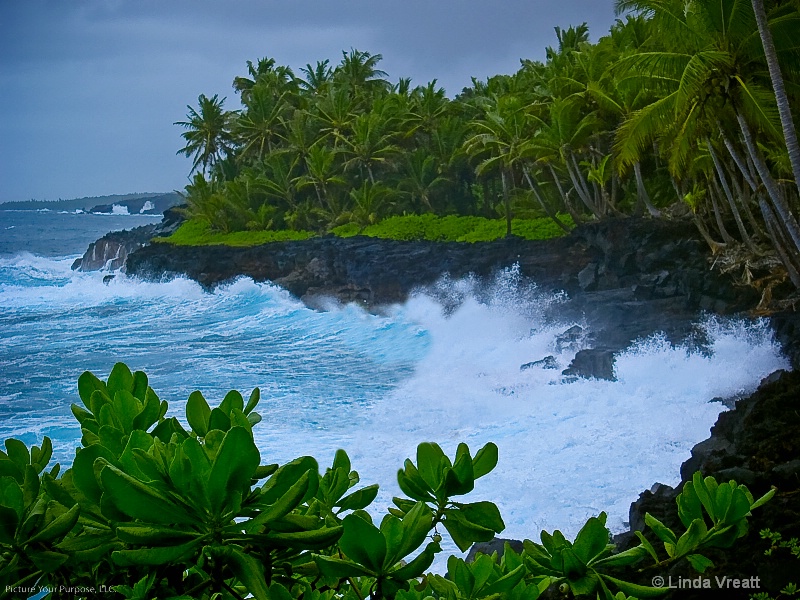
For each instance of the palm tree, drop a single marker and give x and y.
(260, 124)
(502, 135)
(359, 72)
(317, 78)
(789, 132)
(370, 142)
(208, 132)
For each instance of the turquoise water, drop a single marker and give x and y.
(374, 385)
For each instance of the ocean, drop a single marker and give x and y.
(375, 385)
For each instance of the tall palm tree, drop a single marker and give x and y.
(208, 132)
(784, 109)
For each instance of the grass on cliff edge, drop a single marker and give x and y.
(405, 228)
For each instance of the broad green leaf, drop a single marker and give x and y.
(41, 456)
(722, 500)
(699, 562)
(482, 568)
(415, 525)
(358, 499)
(233, 467)
(18, 453)
(623, 559)
(88, 383)
(152, 534)
(484, 514)
(233, 399)
(485, 460)
(763, 500)
(647, 545)
(463, 532)
(574, 567)
(139, 501)
(341, 461)
(153, 557)
(57, 528)
(363, 542)
(412, 489)
(252, 402)
(151, 411)
(505, 583)
(339, 568)
(311, 540)
(139, 389)
(703, 495)
(460, 574)
(738, 509)
(137, 440)
(251, 573)
(430, 462)
(198, 413)
(283, 506)
(219, 420)
(591, 540)
(83, 475)
(689, 506)
(691, 538)
(55, 489)
(419, 565)
(126, 407)
(120, 378)
(286, 476)
(664, 533)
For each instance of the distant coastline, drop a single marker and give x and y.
(159, 201)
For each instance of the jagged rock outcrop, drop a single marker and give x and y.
(758, 444)
(111, 251)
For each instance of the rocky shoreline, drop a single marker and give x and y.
(625, 279)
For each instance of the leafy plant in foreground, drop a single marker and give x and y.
(151, 509)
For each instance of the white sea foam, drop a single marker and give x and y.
(444, 367)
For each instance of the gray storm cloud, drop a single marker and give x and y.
(91, 88)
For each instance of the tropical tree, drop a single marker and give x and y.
(208, 132)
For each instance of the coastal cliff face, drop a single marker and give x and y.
(628, 278)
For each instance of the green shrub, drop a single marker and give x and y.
(150, 509)
(196, 232)
(453, 228)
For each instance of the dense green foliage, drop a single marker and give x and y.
(196, 232)
(150, 509)
(674, 106)
(453, 228)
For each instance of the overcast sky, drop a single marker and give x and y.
(89, 89)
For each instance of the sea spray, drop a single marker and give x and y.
(444, 366)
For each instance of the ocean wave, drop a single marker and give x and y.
(443, 366)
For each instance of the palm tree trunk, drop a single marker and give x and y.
(506, 201)
(784, 212)
(642, 191)
(535, 189)
(776, 237)
(789, 132)
(712, 192)
(580, 188)
(576, 218)
(723, 180)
